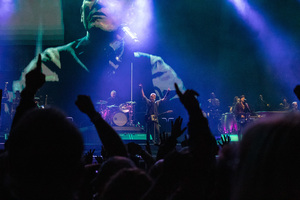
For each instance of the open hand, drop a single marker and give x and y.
(188, 99)
(176, 128)
(225, 139)
(163, 138)
(88, 157)
(185, 142)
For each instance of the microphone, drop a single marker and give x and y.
(129, 33)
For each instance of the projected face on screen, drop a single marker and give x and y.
(106, 15)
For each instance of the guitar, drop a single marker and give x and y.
(154, 118)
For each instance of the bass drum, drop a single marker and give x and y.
(120, 119)
(228, 124)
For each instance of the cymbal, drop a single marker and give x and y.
(101, 102)
(131, 102)
(112, 106)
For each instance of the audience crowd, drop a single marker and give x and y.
(43, 157)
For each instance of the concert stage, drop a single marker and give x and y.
(138, 134)
(127, 134)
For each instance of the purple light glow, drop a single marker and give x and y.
(136, 18)
(279, 51)
(7, 7)
(228, 124)
(239, 5)
(142, 19)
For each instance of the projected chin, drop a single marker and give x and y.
(104, 25)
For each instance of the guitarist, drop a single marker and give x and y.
(152, 124)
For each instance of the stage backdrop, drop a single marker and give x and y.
(228, 47)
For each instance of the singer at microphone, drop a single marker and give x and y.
(242, 109)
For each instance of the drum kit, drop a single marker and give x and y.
(231, 123)
(228, 124)
(117, 115)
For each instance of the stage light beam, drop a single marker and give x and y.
(278, 49)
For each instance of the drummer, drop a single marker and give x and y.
(113, 99)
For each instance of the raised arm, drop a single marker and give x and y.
(171, 142)
(201, 141)
(142, 92)
(110, 139)
(50, 57)
(166, 95)
(34, 81)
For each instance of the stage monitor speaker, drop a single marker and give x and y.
(233, 137)
(134, 136)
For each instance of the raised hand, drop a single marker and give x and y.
(142, 91)
(85, 105)
(163, 137)
(185, 142)
(176, 128)
(99, 159)
(188, 99)
(88, 157)
(225, 139)
(35, 79)
(108, 136)
(202, 143)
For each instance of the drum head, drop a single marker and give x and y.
(119, 119)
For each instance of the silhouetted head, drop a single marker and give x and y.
(156, 170)
(127, 184)
(110, 168)
(45, 151)
(269, 160)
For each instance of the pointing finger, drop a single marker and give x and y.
(178, 91)
(39, 63)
